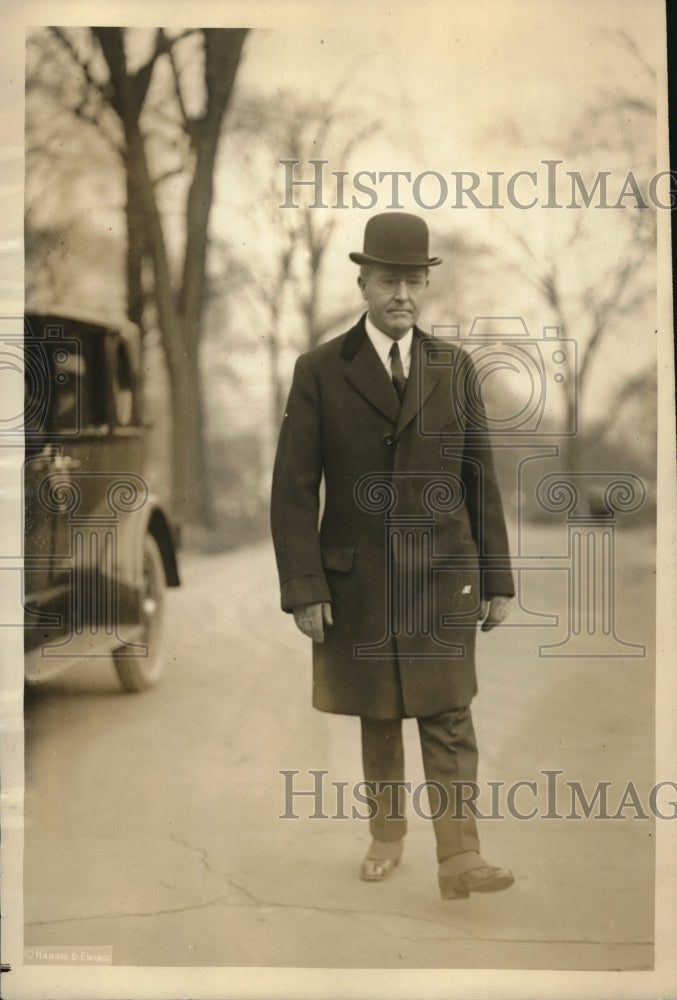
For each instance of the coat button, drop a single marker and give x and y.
(388, 440)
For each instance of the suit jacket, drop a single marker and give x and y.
(412, 534)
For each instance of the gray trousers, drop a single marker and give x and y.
(449, 752)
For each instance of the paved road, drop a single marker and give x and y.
(152, 820)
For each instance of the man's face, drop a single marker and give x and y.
(394, 296)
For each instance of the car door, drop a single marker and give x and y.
(65, 481)
(54, 369)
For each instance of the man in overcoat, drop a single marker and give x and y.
(410, 551)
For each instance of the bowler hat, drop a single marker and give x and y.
(395, 238)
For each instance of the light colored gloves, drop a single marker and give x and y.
(311, 619)
(493, 612)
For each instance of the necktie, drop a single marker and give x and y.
(399, 381)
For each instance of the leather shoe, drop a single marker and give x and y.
(464, 873)
(381, 858)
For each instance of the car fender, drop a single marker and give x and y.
(150, 519)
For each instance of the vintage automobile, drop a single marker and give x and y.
(99, 548)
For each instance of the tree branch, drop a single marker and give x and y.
(66, 43)
(177, 90)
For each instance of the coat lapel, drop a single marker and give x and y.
(422, 380)
(366, 373)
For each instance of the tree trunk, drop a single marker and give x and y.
(191, 503)
(222, 55)
(179, 313)
(135, 254)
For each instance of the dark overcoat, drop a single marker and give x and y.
(412, 534)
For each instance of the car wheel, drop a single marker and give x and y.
(137, 672)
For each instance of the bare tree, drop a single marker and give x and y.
(112, 96)
(289, 285)
(588, 296)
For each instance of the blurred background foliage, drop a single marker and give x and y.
(153, 190)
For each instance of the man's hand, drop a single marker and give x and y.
(493, 612)
(311, 619)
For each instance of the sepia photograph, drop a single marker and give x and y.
(337, 486)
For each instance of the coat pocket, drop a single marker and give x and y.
(338, 558)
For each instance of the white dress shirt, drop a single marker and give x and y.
(382, 344)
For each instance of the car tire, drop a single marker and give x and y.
(135, 672)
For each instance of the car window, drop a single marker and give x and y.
(94, 380)
(67, 388)
(123, 387)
